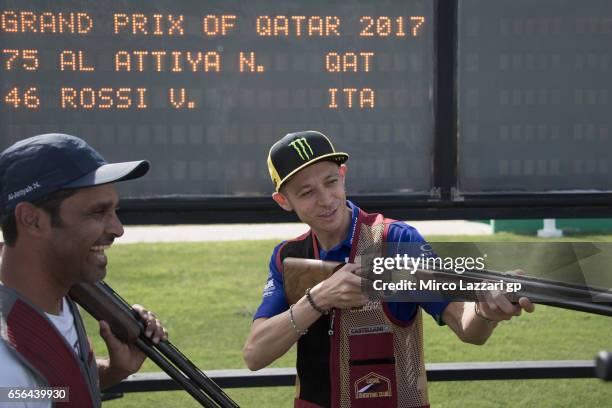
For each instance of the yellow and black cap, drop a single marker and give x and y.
(298, 150)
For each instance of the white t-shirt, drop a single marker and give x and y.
(15, 374)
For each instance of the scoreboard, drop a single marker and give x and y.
(203, 88)
(534, 95)
(437, 102)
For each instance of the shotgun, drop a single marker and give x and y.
(103, 303)
(300, 274)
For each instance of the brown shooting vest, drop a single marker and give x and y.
(365, 358)
(35, 341)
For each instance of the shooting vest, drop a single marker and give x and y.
(360, 357)
(35, 341)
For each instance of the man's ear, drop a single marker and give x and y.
(282, 201)
(31, 220)
(342, 171)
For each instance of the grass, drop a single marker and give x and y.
(206, 294)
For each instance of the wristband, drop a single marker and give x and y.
(297, 330)
(313, 304)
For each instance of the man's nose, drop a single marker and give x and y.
(325, 197)
(114, 225)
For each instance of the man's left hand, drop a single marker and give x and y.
(126, 359)
(495, 305)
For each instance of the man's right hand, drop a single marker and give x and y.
(342, 290)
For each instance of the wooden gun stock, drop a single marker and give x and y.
(300, 274)
(101, 305)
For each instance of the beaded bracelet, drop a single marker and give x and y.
(297, 330)
(313, 304)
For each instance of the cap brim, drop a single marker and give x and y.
(112, 172)
(336, 157)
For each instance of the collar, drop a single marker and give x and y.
(350, 234)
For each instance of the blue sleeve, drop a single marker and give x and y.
(273, 299)
(402, 238)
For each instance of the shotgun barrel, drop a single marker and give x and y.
(303, 273)
(103, 303)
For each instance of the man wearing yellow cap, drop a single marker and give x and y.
(351, 352)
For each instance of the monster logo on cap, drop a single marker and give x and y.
(311, 147)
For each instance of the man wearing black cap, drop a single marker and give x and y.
(351, 352)
(58, 205)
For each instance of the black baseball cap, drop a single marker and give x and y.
(298, 150)
(35, 167)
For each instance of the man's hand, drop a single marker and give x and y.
(342, 290)
(495, 306)
(474, 322)
(125, 359)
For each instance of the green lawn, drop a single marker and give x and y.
(206, 294)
